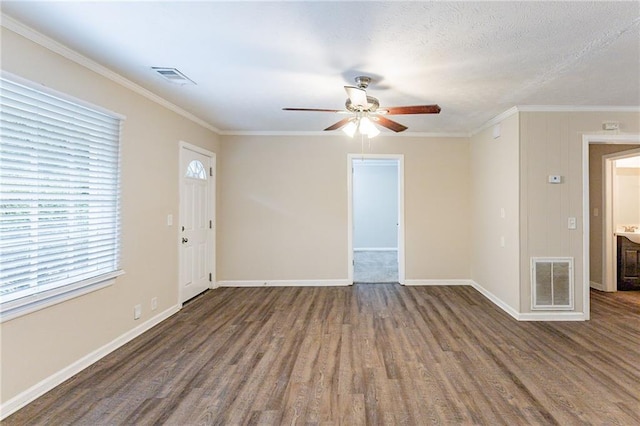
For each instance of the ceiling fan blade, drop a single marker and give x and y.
(312, 109)
(339, 124)
(416, 109)
(358, 96)
(390, 124)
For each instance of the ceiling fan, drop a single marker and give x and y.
(366, 111)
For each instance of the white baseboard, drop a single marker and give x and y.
(552, 316)
(284, 283)
(17, 402)
(437, 282)
(597, 286)
(529, 316)
(496, 300)
(376, 249)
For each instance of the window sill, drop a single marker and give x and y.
(44, 300)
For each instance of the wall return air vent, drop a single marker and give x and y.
(173, 75)
(552, 279)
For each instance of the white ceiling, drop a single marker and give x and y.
(250, 59)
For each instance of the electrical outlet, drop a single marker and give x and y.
(154, 303)
(572, 223)
(137, 312)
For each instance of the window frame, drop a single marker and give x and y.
(83, 285)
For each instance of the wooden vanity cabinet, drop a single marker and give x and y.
(628, 264)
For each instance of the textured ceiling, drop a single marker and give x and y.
(250, 59)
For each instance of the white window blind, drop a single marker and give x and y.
(59, 188)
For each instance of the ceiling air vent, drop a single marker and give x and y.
(173, 75)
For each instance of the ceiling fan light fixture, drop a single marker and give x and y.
(361, 126)
(350, 128)
(366, 127)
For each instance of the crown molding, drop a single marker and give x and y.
(495, 120)
(52, 45)
(429, 135)
(342, 135)
(274, 133)
(576, 108)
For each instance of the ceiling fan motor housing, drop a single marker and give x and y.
(372, 105)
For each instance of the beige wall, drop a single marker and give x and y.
(551, 143)
(38, 345)
(494, 188)
(283, 206)
(596, 194)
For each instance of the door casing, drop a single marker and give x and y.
(586, 211)
(609, 267)
(401, 237)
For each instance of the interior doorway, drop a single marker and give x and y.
(621, 208)
(596, 233)
(376, 228)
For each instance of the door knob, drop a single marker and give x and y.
(185, 240)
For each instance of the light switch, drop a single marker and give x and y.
(572, 223)
(169, 219)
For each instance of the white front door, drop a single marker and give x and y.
(196, 221)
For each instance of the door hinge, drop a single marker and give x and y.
(210, 277)
(210, 224)
(210, 171)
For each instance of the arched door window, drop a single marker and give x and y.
(196, 170)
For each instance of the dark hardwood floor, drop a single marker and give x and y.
(367, 354)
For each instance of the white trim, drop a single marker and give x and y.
(436, 282)
(375, 249)
(609, 254)
(401, 227)
(552, 316)
(38, 301)
(14, 404)
(428, 135)
(495, 120)
(378, 163)
(285, 283)
(337, 134)
(586, 140)
(577, 108)
(278, 133)
(597, 286)
(48, 43)
(496, 300)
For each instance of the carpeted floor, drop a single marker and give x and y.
(375, 266)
